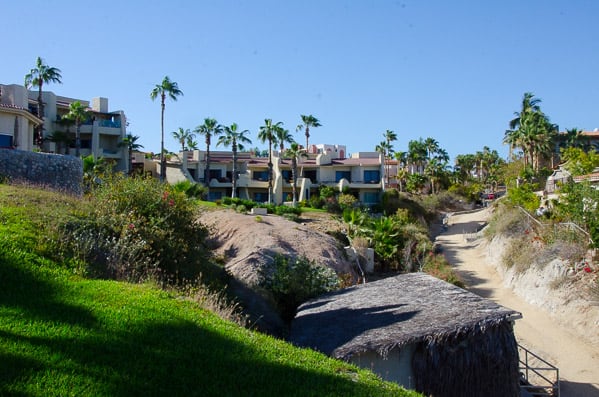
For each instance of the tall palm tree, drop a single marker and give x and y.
(307, 122)
(183, 136)
(130, 142)
(171, 89)
(233, 137)
(384, 148)
(417, 156)
(78, 113)
(294, 152)
(38, 76)
(268, 133)
(209, 129)
(283, 136)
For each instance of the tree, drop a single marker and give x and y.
(294, 152)
(38, 76)
(60, 138)
(531, 131)
(283, 136)
(209, 129)
(307, 122)
(171, 89)
(130, 142)
(417, 156)
(268, 133)
(183, 136)
(233, 137)
(384, 148)
(78, 113)
(192, 144)
(465, 164)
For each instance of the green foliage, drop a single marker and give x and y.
(524, 196)
(295, 281)
(346, 201)
(137, 228)
(390, 201)
(191, 190)
(326, 192)
(415, 183)
(579, 162)
(64, 336)
(579, 204)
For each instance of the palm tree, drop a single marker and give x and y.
(183, 136)
(268, 133)
(234, 138)
(36, 77)
(283, 136)
(307, 122)
(384, 148)
(209, 129)
(417, 156)
(60, 138)
(295, 152)
(77, 113)
(170, 88)
(130, 142)
(192, 144)
(465, 163)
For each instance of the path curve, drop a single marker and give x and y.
(577, 361)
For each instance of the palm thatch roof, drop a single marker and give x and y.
(392, 312)
(464, 344)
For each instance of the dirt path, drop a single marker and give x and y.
(577, 361)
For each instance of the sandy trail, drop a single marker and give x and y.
(578, 362)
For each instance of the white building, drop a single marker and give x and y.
(101, 134)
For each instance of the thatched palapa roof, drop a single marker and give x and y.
(393, 312)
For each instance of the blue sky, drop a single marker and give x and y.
(452, 70)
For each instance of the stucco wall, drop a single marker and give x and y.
(64, 173)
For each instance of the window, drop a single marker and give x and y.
(260, 175)
(372, 176)
(286, 174)
(311, 175)
(213, 196)
(260, 197)
(371, 197)
(215, 174)
(341, 175)
(5, 140)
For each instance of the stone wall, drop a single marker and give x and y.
(57, 172)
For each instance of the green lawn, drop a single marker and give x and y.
(61, 334)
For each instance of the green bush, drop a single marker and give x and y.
(346, 201)
(295, 281)
(524, 196)
(191, 190)
(137, 228)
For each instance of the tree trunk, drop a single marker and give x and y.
(162, 159)
(234, 176)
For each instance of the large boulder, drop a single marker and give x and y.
(248, 244)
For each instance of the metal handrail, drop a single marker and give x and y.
(552, 388)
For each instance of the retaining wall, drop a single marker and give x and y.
(57, 172)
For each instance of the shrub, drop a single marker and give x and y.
(437, 266)
(346, 201)
(295, 281)
(137, 228)
(525, 197)
(191, 190)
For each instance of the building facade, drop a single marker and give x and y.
(360, 175)
(101, 134)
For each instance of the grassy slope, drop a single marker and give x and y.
(61, 334)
